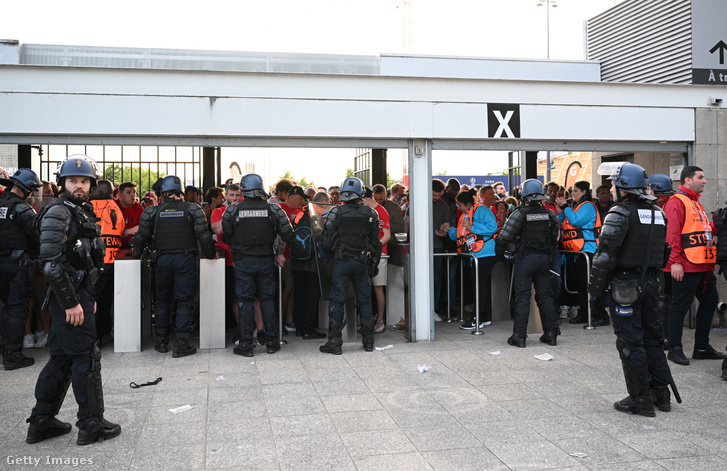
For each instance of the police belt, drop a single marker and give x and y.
(634, 271)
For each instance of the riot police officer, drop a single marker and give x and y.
(18, 245)
(631, 252)
(251, 228)
(531, 233)
(351, 234)
(175, 226)
(71, 253)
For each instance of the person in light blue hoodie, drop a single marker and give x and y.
(474, 234)
(581, 227)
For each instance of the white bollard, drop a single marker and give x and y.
(212, 303)
(127, 306)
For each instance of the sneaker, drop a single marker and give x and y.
(28, 341)
(574, 311)
(469, 325)
(485, 323)
(564, 312)
(469, 308)
(261, 339)
(399, 326)
(380, 327)
(436, 317)
(290, 327)
(42, 342)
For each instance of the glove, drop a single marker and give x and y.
(373, 269)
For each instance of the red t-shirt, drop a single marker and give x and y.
(383, 216)
(216, 216)
(132, 216)
(291, 213)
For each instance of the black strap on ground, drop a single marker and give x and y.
(150, 383)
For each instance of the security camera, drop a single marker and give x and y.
(715, 101)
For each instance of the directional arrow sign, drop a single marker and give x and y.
(721, 46)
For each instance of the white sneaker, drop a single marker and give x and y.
(28, 341)
(42, 342)
(486, 323)
(564, 312)
(436, 317)
(469, 308)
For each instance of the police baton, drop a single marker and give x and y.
(674, 388)
(46, 300)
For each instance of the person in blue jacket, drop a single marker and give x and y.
(581, 225)
(474, 234)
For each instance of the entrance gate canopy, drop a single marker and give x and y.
(93, 106)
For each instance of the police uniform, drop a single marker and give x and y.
(350, 233)
(18, 245)
(175, 226)
(251, 227)
(531, 232)
(72, 255)
(631, 251)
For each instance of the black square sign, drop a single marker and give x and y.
(503, 120)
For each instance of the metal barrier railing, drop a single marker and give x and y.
(280, 306)
(449, 255)
(588, 326)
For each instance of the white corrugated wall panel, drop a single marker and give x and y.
(643, 41)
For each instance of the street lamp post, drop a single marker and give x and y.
(547, 4)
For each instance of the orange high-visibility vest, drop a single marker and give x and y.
(112, 226)
(694, 241)
(468, 241)
(573, 236)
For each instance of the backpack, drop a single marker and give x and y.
(301, 247)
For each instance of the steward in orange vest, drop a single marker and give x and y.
(573, 238)
(696, 232)
(112, 225)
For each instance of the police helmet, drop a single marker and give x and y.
(252, 186)
(631, 178)
(351, 189)
(171, 183)
(661, 184)
(24, 178)
(532, 190)
(77, 166)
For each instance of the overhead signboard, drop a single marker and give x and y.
(709, 42)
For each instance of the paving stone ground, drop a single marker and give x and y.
(300, 409)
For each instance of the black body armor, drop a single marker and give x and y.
(17, 225)
(173, 228)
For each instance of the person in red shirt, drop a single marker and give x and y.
(233, 195)
(295, 199)
(380, 280)
(131, 209)
(691, 265)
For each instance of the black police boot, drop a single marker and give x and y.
(640, 405)
(13, 357)
(662, 398)
(333, 346)
(44, 427)
(367, 335)
(182, 348)
(245, 349)
(550, 337)
(517, 340)
(161, 344)
(272, 344)
(724, 368)
(92, 430)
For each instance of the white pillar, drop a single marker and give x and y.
(127, 306)
(212, 303)
(421, 284)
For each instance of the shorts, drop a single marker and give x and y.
(381, 278)
(287, 274)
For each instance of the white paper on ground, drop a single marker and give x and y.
(495, 353)
(183, 408)
(220, 378)
(384, 348)
(423, 368)
(544, 357)
(578, 454)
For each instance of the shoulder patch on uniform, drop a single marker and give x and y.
(3, 213)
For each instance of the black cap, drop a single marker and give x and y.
(368, 193)
(296, 190)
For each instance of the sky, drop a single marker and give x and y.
(476, 28)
